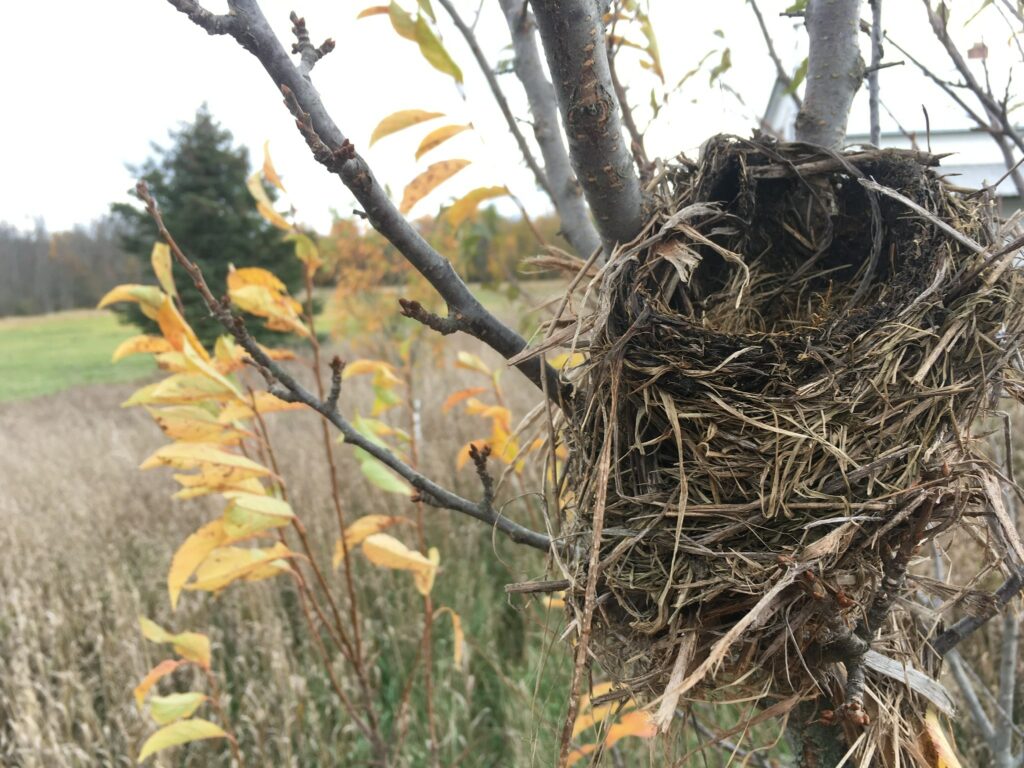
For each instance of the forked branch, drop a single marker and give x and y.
(284, 386)
(577, 54)
(250, 29)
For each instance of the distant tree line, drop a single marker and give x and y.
(47, 272)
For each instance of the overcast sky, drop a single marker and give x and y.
(90, 84)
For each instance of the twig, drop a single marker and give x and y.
(876, 64)
(443, 325)
(636, 138)
(337, 368)
(289, 389)
(970, 624)
(249, 27)
(780, 71)
(309, 53)
(535, 587)
(499, 98)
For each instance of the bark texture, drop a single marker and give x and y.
(565, 189)
(835, 70)
(574, 44)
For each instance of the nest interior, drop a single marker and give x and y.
(782, 373)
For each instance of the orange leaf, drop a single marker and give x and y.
(154, 675)
(358, 531)
(457, 397)
(373, 10)
(269, 172)
(191, 554)
(428, 181)
(189, 645)
(138, 345)
(467, 205)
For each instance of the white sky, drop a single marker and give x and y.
(90, 84)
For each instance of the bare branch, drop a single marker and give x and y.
(565, 189)
(213, 23)
(337, 368)
(636, 138)
(574, 43)
(252, 31)
(499, 97)
(443, 325)
(287, 388)
(780, 70)
(971, 623)
(308, 52)
(876, 64)
(834, 71)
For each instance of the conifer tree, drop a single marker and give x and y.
(199, 182)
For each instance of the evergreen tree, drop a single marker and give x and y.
(199, 184)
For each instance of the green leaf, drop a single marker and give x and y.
(181, 732)
(402, 22)
(798, 7)
(722, 67)
(428, 9)
(434, 52)
(798, 77)
(167, 709)
(384, 478)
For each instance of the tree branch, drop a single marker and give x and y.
(876, 64)
(971, 623)
(499, 97)
(540, 94)
(780, 71)
(834, 71)
(249, 27)
(577, 55)
(285, 387)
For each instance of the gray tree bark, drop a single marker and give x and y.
(835, 70)
(565, 189)
(577, 56)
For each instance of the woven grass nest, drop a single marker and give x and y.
(782, 375)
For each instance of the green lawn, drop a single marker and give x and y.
(49, 353)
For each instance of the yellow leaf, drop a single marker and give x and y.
(193, 424)
(424, 580)
(433, 50)
(279, 310)
(255, 186)
(191, 554)
(263, 401)
(595, 715)
(249, 514)
(229, 564)
(269, 172)
(458, 637)
(470, 362)
(936, 747)
(373, 10)
(428, 181)
(467, 205)
(239, 278)
(161, 261)
(213, 479)
(439, 136)
(377, 367)
(189, 645)
(388, 552)
(567, 360)
(556, 600)
(154, 675)
(306, 251)
(148, 297)
(457, 397)
(168, 709)
(178, 332)
(179, 389)
(192, 455)
(272, 216)
(201, 364)
(399, 121)
(402, 22)
(357, 532)
(139, 345)
(181, 732)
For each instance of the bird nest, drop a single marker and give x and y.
(782, 374)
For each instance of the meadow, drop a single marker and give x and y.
(86, 541)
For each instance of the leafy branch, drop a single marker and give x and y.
(249, 27)
(284, 386)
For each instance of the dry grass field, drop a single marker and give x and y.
(85, 542)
